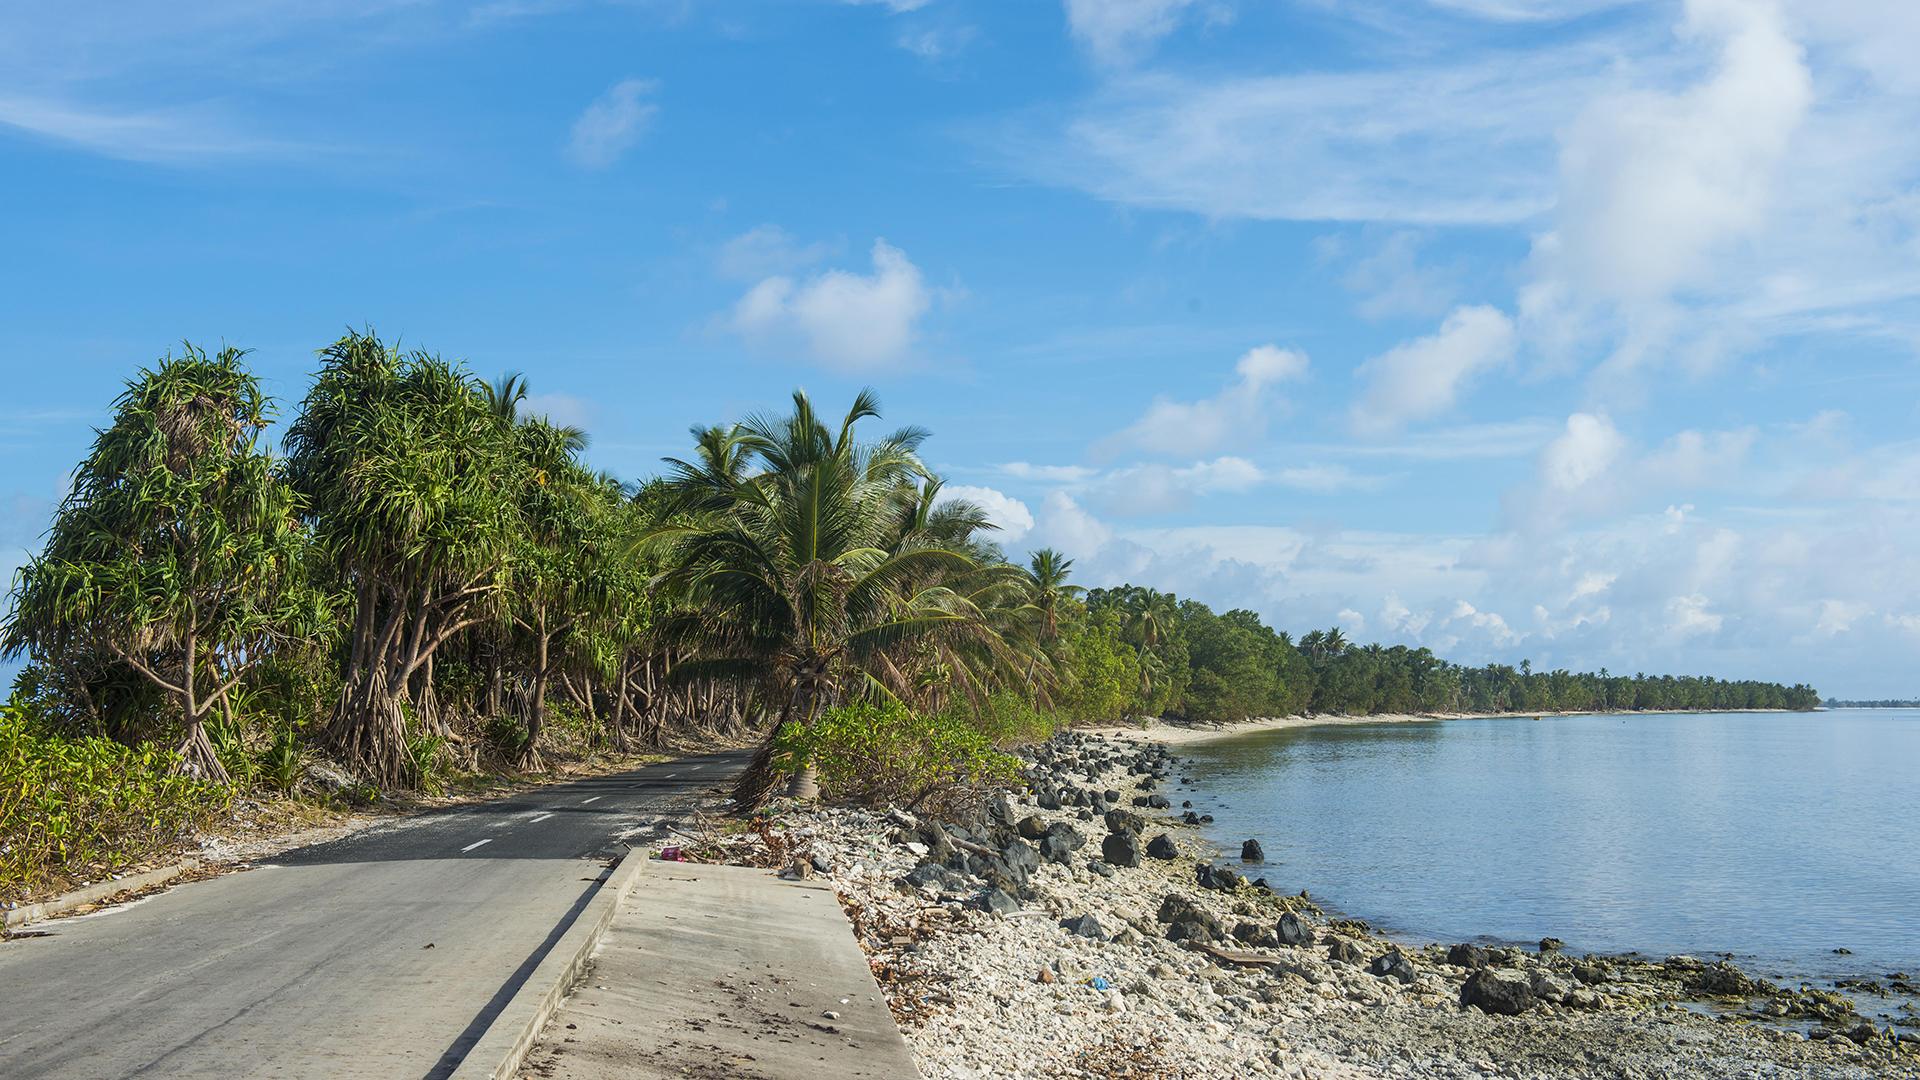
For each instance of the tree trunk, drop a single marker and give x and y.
(756, 783)
(537, 707)
(197, 757)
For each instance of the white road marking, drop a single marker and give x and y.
(539, 819)
(477, 843)
(671, 775)
(596, 798)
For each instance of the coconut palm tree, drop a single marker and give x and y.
(816, 568)
(1047, 572)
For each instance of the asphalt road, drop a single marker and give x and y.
(384, 954)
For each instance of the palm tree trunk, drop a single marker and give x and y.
(756, 783)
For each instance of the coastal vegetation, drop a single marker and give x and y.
(425, 579)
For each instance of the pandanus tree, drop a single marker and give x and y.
(566, 556)
(406, 466)
(178, 551)
(811, 564)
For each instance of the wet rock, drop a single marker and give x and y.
(1551, 944)
(1121, 848)
(1251, 851)
(1158, 802)
(1722, 980)
(1220, 878)
(1161, 847)
(1499, 991)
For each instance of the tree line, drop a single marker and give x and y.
(425, 576)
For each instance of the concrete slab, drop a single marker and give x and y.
(724, 973)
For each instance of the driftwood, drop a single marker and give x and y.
(1242, 959)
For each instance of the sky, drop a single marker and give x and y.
(1578, 331)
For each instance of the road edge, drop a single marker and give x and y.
(501, 1049)
(94, 893)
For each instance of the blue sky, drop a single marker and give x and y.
(1575, 330)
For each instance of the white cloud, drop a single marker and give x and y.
(1116, 31)
(1157, 489)
(173, 136)
(1236, 414)
(850, 321)
(1424, 377)
(1052, 474)
(1063, 524)
(1688, 617)
(765, 250)
(1838, 616)
(1592, 584)
(1583, 453)
(1326, 479)
(1012, 515)
(1466, 143)
(610, 126)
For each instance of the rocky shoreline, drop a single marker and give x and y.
(1084, 928)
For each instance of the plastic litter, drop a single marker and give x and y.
(1099, 983)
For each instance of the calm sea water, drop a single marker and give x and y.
(1774, 837)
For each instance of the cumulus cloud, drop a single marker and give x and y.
(613, 123)
(1009, 513)
(1063, 523)
(1424, 377)
(1237, 414)
(846, 320)
(1584, 452)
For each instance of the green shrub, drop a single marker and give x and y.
(73, 808)
(878, 755)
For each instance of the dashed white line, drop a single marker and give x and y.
(584, 802)
(476, 844)
(540, 819)
(671, 775)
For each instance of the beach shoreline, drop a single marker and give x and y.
(1156, 956)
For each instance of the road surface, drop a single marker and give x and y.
(384, 954)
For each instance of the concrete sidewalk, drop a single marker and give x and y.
(724, 973)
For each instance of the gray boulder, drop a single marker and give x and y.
(1498, 991)
(1161, 847)
(1121, 848)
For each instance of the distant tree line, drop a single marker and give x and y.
(1186, 661)
(1884, 703)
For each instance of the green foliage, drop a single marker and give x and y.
(886, 754)
(76, 808)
